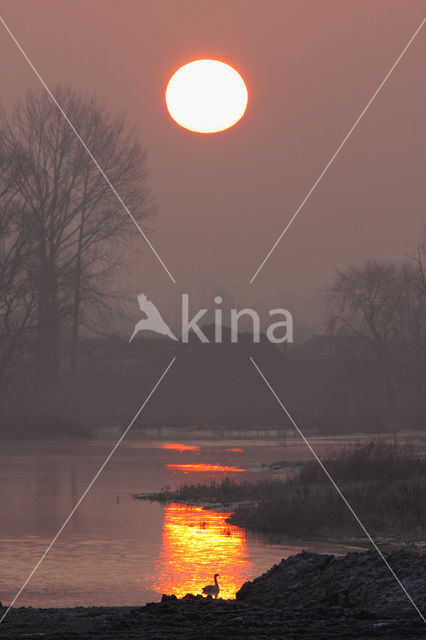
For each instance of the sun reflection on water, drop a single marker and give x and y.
(205, 468)
(178, 446)
(197, 543)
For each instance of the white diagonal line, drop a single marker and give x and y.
(90, 485)
(95, 162)
(337, 489)
(330, 162)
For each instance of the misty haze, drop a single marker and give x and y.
(212, 320)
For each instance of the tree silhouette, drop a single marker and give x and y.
(76, 228)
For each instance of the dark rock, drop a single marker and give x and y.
(168, 598)
(357, 581)
(193, 618)
(190, 596)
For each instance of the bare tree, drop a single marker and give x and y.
(365, 303)
(16, 299)
(413, 313)
(78, 229)
(417, 275)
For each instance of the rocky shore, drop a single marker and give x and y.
(357, 582)
(305, 597)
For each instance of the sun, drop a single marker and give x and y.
(206, 96)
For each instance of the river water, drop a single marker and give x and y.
(117, 550)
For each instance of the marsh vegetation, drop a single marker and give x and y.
(385, 483)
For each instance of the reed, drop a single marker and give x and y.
(384, 482)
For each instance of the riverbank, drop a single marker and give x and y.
(384, 482)
(201, 619)
(306, 597)
(388, 542)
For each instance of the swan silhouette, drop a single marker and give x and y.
(153, 320)
(212, 589)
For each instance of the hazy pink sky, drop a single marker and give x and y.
(223, 199)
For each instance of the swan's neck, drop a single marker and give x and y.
(215, 581)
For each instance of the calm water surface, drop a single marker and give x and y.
(117, 550)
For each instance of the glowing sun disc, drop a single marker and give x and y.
(206, 96)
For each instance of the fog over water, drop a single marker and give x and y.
(117, 550)
(350, 270)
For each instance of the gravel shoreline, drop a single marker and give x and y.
(197, 618)
(309, 596)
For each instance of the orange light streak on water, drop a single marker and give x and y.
(204, 468)
(197, 543)
(177, 446)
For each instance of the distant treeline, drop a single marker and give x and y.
(62, 234)
(380, 309)
(62, 240)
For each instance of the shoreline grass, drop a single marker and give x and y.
(384, 482)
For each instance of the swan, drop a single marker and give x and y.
(212, 589)
(153, 320)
